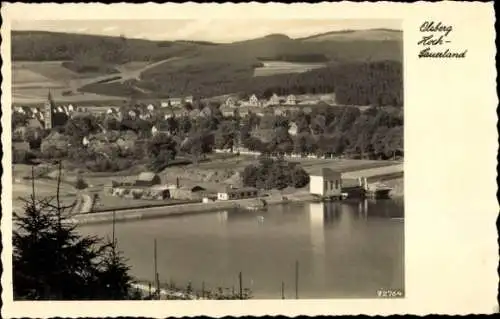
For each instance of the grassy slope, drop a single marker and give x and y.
(350, 35)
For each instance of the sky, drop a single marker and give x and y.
(220, 30)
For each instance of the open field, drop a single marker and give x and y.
(108, 202)
(32, 80)
(280, 67)
(373, 172)
(22, 189)
(343, 165)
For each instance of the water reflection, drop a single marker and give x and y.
(342, 214)
(345, 249)
(222, 216)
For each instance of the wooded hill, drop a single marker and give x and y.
(367, 62)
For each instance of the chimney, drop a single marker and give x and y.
(177, 183)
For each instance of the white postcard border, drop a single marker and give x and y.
(451, 250)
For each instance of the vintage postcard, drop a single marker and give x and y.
(248, 159)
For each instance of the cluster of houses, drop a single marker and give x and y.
(276, 100)
(50, 115)
(324, 183)
(254, 101)
(148, 185)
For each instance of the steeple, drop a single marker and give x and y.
(49, 107)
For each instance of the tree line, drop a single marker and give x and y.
(376, 133)
(53, 261)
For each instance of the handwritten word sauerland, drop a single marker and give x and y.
(435, 39)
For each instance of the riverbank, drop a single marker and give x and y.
(397, 186)
(176, 210)
(139, 213)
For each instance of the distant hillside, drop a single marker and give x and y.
(207, 69)
(357, 35)
(53, 46)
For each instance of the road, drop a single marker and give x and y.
(123, 75)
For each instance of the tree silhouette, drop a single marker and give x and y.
(52, 261)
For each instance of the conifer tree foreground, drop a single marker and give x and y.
(52, 261)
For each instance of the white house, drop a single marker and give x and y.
(151, 107)
(154, 130)
(274, 100)
(325, 183)
(293, 129)
(230, 102)
(188, 99)
(237, 193)
(175, 101)
(253, 101)
(291, 100)
(85, 141)
(132, 114)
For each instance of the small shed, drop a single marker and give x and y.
(325, 182)
(237, 193)
(148, 179)
(159, 192)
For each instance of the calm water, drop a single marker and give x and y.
(343, 249)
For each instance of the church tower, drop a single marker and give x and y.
(49, 110)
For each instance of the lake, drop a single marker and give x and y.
(343, 249)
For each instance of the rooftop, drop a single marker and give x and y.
(146, 176)
(238, 190)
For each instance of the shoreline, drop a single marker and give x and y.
(132, 214)
(170, 210)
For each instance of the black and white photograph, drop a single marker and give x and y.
(266, 163)
(205, 158)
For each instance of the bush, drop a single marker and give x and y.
(279, 174)
(137, 194)
(80, 183)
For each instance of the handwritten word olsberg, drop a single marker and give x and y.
(437, 35)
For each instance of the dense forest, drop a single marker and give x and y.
(51, 46)
(357, 83)
(339, 131)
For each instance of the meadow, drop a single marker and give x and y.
(281, 67)
(32, 80)
(22, 188)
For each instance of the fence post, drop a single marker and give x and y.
(241, 285)
(297, 279)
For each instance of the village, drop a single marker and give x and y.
(329, 175)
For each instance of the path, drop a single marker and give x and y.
(121, 77)
(86, 204)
